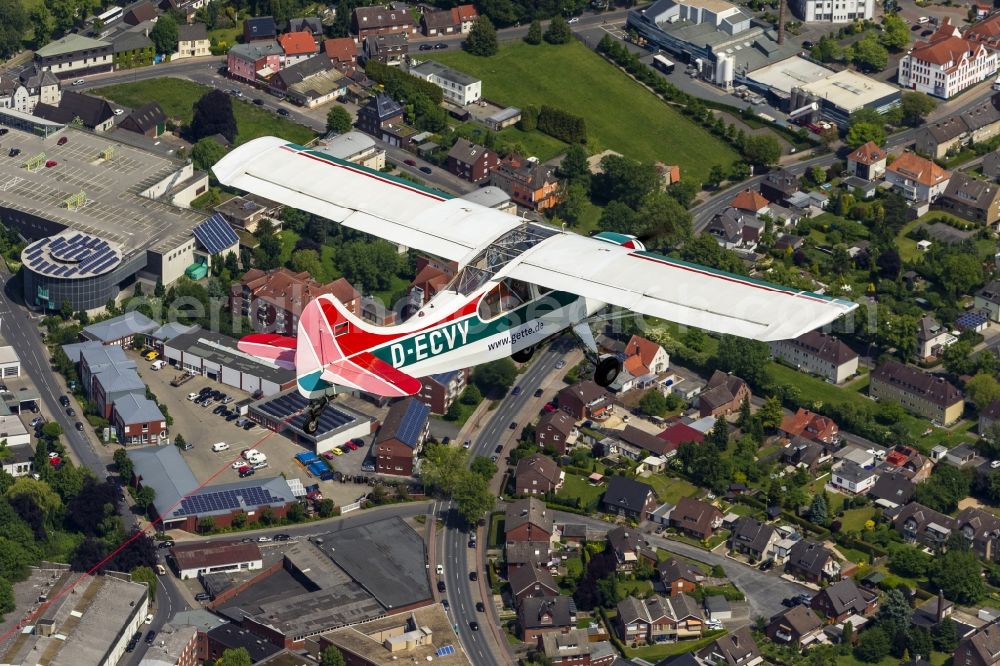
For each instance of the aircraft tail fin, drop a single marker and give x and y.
(279, 349)
(336, 345)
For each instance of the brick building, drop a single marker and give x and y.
(274, 300)
(401, 437)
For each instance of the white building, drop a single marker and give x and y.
(833, 11)
(10, 364)
(355, 147)
(21, 460)
(853, 478)
(12, 431)
(946, 64)
(819, 354)
(75, 55)
(458, 88)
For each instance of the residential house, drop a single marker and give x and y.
(723, 395)
(988, 417)
(812, 561)
(274, 300)
(629, 550)
(991, 165)
(441, 390)
(471, 162)
(185, 9)
(19, 461)
(260, 29)
(389, 49)
(297, 46)
(677, 434)
(982, 530)
(528, 520)
(892, 490)
(779, 185)
(736, 648)
(382, 20)
(140, 13)
(457, 20)
(916, 178)
(960, 456)
(537, 475)
(695, 518)
(319, 88)
(401, 437)
(148, 120)
(192, 41)
(981, 648)
(658, 619)
(530, 582)
(843, 599)
(529, 183)
(37, 85)
(917, 523)
(987, 300)
(818, 353)
(753, 538)
(138, 421)
(810, 426)
(541, 615)
(734, 229)
(95, 113)
(948, 135)
(585, 400)
(259, 59)
(311, 24)
(867, 161)
(971, 199)
(678, 576)
(629, 498)
(297, 71)
(132, 49)
(849, 477)
(459, 88)
(909, 461)
(380, 112)
(645, 357)
(570, 649)
(637, 444)
(342, 52)
(536, 554)
(932, 338)
(553, 431)
(804, 453)
(752, 202)
(246, 212)
(75, 55)
(799, 626)
(923, 394)
(946, 63)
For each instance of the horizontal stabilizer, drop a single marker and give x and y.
(278, 349)
(370, 373)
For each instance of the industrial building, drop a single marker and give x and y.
(194, 559)
(101, 216)
(337, 424)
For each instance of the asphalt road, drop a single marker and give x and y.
(764, 591)
(462, 593)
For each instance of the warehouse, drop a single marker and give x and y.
(845, 92)
(194, 559)
(215, 356)
(337, 424)
(777, 80)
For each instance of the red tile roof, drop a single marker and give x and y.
(466, 12)
(749, 200)
(216, 554)
(678, 434)
(343, 49)
(298, 43)
(912, 166)
(868, 154)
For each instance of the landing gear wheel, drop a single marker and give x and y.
(313, 412)
(311, 425)
(524, 355)
(607, 371)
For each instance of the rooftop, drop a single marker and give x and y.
(431, 68)
(71, 43)
(850, 90)
(789, 73)
(221, 349)
(119, 327)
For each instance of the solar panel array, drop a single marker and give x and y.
(281, 407)
(215, 234)
(445, 650)
(226, 500)
(77, 256)
(412, 423)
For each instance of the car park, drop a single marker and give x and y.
(62, 141)
(248, 425)
(219, 409)
(220, 446)
(259, 465)
(246, 471)
(192, 396)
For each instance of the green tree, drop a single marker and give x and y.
(861, 133)
(331, 656)
(534, 35)
(873, 645)
(719, 434)
(770, 413)
(482, 39)
(869, 55)
(762, 150)
(574, 166)
(982, 390)
(895, 33)
(206, 152)
(653, 403)
(473, 497)
(338, 119)
(326, 507)
(716, 175)
(894, 612)
(558, 31)
(494, 377)
(947, 486)
(471, 395)
(819, 512)
(123, 464)
(164, 35)
(442, 467)
(213, 114)
(959, 273)
(905, 560)
(144, 498)
(744, 358)
(945, 636)
(916, 106)
(13, 27)
(665, 220)
(6, 597)
(958, 574)
(235, 657)
(41, 21)
(145, 575)
(484, 467)
(827, 49)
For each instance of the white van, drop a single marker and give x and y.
(220, 446)
(160, 570)
(259, 458)
(923, 19)
(192, 396)
(156, 365)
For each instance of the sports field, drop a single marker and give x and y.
(621, 115)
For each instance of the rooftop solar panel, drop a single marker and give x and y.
(445, 650)
(215, 234)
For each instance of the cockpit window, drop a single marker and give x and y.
(504, 297)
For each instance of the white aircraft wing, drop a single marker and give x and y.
(659, 286)
(360, 198)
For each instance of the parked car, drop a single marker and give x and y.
(427, 169)
(499, 448)
(513, 425)
(14, 152)
(150, 635)
(440, 570)
(220, 446)
(283, 112)
(409, 162)
(51, 163)
(440, 45)
(473, 576)
(538, 393)
(78, 426)
(441, 586)
(78, 82)
(560, 364)
(480, 606)
(494, 457)
(258, 101)
(149, 619)
(70, 412)
(426, 47)
(516, 390)
(248, 425)
(165, 544)
(474, 625)
(263, 539)
(37, 421)
(62, 141)
(202, 596)
(575, 19)
(282, 537)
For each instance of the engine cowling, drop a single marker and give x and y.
(624, 240)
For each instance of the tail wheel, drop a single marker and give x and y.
(524, 355)
(311, 426)
(607, 371)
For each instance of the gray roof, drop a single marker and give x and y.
(529, 510)
(894, 487)
(132, 40)
(192, 32)
(222, 349)
(171, 330)
(304, 69)
(432, 68)
(71, 43)
(853, 472)
(466, 152)
(199, 618)
(120, 327)
(717, 604)
(533, 608)
(163, 469)
(385, 106)
(490, 196)
(75, 350)
(809, 556)
(991, 292)
(627, 493)
(148, 116)
(19, 453)
(969, 191)
(751, 533)
(523, 577)
(257, 50)
(137, 409)
(310, 23)
(101, 356)
(346, 145)
(34, 76)
(91, 110)
(116, 380)
(845, 596)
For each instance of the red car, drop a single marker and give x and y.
(62, 141)
(549, 408)
(352, 446)
(410, 162)
(50, 164)
(54, 461)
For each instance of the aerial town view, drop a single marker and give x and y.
(513, 332)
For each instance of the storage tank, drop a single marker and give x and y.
(724, 70)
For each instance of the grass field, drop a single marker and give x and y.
(536, 143)
(577, 486)
(670, 490)
(177, 97)
(621, 115)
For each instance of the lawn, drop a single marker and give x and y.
(537, 144)
(854, 519)
(669, 489)
(521, 74)
(907, 247)
(177, 97)
(654, 653)
(577, 486)
(635, 588)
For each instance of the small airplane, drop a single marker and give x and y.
(519, 283)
